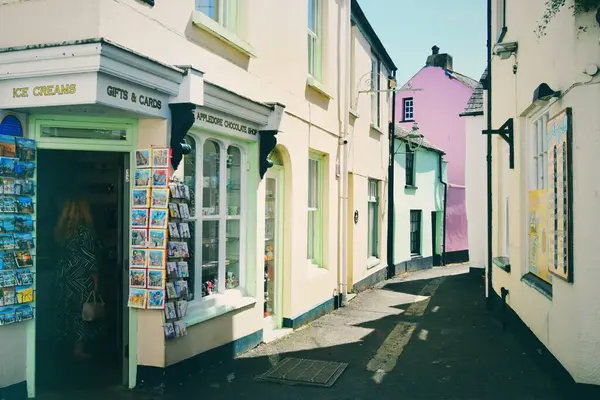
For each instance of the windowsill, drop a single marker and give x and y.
(415, 256)
(377, 129)
(373, 262)
(211, 26)
(407, 120)
(213, 306)
(314, 269)
(538, 284)
(354, 112)
(314, 84)
(502, 262)
(411, 187)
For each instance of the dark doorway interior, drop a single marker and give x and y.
(95, 177)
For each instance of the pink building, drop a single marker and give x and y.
(434, 98)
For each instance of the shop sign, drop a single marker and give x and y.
(121, 94)
(225, 124)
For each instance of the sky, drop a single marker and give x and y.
(409, 28)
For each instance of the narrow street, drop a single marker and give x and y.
(422, 336)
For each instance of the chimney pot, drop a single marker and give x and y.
(435, 50)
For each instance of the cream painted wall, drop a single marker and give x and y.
(428, 197)
(569, 323)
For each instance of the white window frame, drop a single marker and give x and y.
(317, 236)
(408, 103)
(373, 226)
(315, 41)
(227, 13)
(375, 91)
(538, 157)
(222, 217)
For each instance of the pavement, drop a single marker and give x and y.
(426, 335)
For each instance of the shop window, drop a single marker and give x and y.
(375, 95)
(315, 33)
(83, 133)
(373, 199)
(415, 232)
(224, 12)
(410, 166)
(315, 210)
(218, 208)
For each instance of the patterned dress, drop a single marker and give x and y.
(74, 283)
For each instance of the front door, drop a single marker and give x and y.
(273, 248)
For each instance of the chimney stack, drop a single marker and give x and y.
(436, 59)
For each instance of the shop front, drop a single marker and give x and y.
(80, 110)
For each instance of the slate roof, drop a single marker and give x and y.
(401, 131)
(475, 103)
(465, 80)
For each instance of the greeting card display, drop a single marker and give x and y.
(17, 266)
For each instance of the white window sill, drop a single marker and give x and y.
(318, 86)
(209, 307)
(373, 262)
(314, 269)
(377, 129)
(354, 112)
(211, 26)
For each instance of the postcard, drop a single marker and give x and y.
(180, 328)
(7, 166)
(23, 259)
(183, 269)
(139, 258)
(139, 237)
(7, 297)
(24, 294)
(24, 223)
(185, 191)
(158, 218)
(173, 231)
(171, 293)
(2, 277)
(9, 205)
(26, 187)
(142, 158)
(139, 217)
(7, 316)
(156, 299)
(24, 276)
(160, 198)
(155, 279)
(7, 242)
(8, 185)
(175, 190)
(137, 278)
(25, 149)
(172, 269)
(170, 312)
(174, 210)
(181, 308)
(7, 223)
(169, 331)
(24, 169)
(160, 157)
(137, 298)
(7, 260)
(157, 238)
(24, 313)
(156, 259)
(7, 278)
(178, 250)
(24, 205)
(140, 198)
(184, 211)
(141, 178)
(184, 230)
(160, 178)
(8, 146)
(23, 241)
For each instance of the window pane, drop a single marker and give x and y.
(232, 260)
(189, 174)
(234, 181)
(210, 257)
(312, 15)
(84, 133)
(313, 183)
(211, 183)
(208, 7)
(312, 56)
(312, 231)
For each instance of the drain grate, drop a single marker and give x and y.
(298, 371)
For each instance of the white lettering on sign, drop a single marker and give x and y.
(225, 123)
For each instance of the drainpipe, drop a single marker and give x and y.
(344, 106)
(391, 268)
(489, 286)
(445, 205)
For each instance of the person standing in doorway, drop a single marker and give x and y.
(77, 274)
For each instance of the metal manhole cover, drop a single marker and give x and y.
(298, 371)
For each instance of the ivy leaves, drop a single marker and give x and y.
(554, 6)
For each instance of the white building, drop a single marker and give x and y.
(545, 208)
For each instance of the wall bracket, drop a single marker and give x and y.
(506, 132)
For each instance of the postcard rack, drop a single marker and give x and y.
(17, 188)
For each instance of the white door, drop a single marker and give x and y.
(273, 247)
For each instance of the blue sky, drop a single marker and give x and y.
(409, 28)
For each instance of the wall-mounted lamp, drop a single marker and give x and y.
(414, 138)
(505, 50)
(543, 93)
